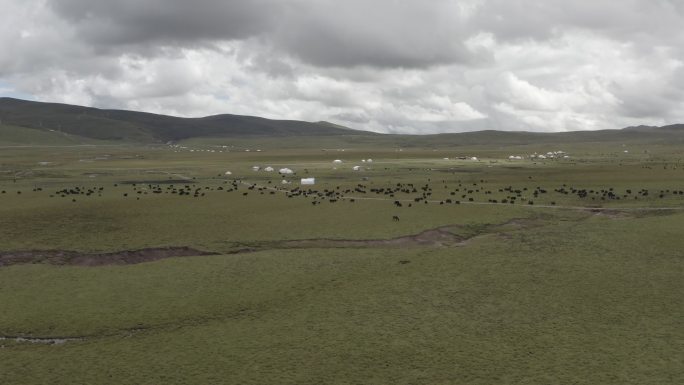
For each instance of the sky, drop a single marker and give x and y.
(396, 66)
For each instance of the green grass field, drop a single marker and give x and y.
(582, 283)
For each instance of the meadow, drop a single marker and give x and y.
(423, 267)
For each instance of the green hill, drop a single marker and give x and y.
(23, 136)
(141, 127)
(28, 122)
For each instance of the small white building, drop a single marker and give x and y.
(228, 173)
(308, 181)
(356, 168)
(256, 168)
(337, 161)
(286, 171)
(269, 169)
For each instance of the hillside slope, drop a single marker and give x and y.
(49, 122)
(132, 126)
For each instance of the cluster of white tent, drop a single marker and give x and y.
(339, 161)
(285, 170)
(355, 168)
(462, 157)
(550, 155)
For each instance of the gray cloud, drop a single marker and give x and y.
(320, 32)
(135, 22)
(386, 65)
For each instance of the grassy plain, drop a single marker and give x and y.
(546, 293)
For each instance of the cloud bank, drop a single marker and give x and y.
(409, 66)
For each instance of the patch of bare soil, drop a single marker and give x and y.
(612, 214)
(74, 258)
(628, 213)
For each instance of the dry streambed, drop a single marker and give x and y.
(445, 236)
(44, 341)
(125, 257)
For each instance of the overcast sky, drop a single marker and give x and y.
(412, 66)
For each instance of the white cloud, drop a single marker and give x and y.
(409, 66)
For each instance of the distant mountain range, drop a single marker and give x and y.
(36, 122)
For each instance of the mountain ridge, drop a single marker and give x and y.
(136, 126)
(97, 124)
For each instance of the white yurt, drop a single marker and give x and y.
(286, 171)
(269, 169)
(308, 181)
(228, 173)
(256, 168)
(337, 161)
(356, 168)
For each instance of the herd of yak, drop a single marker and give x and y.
(400, 194)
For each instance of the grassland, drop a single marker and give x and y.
(568, 289)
